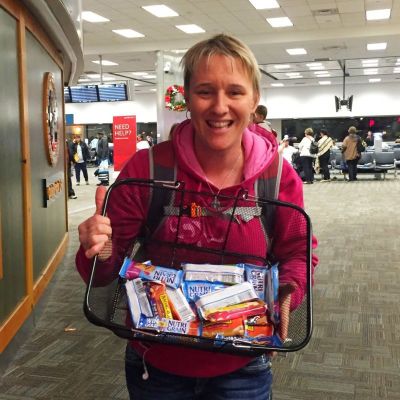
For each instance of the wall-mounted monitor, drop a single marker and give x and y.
(84, 94)
(113, 92)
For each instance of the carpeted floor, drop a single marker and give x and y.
(354, 353)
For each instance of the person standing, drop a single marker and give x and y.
(68, 161)
(80, 156)
(102, 150)
(216, 153)
(325, 143)
(306, 158)
(350, 153)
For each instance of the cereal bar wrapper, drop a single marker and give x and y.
(255, 274)
(171, 277)
(271, 293)
(169, 325)
(226, 297)
(231, 327)
(226, 274)
(241, 310)
(137, 300)
(158, 298)
(193, 290)
(180, 307)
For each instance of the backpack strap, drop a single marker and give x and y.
(267, 187)
(162, 167)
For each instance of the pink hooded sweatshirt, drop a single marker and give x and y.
(127, 218)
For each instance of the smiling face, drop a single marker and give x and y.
(220, 100)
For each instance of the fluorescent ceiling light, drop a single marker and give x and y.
(84, 80)
(153, 90)
(371, 71)
(282, 66)
(264, 4)
(376, 46)
(370, 61)
(292, 73)
(90, 16)
(191, 28)
(149, 76)
(314, 65)
(160, 11)
(139, 73)
(105, 62)
(296, 52)
(373, 15)
(93, 76)
(128, 33)
(277, 84)
(373, 80)
(396, 70)
(317, 68)
(324, 82)
(108, 78)
(325, 75)
(279, 22)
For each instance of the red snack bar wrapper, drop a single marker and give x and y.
(248, 308)
(232, 327)
(159, 299)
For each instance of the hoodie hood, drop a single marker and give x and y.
(259, 147)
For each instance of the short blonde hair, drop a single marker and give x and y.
(222, 45)
(352, 129)
(309, 131)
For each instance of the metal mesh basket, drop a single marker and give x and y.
(197, 233)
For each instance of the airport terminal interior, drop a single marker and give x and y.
(319, 69)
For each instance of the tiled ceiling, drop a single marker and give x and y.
(334, 33)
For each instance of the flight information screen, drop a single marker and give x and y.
(84, 94)
(113, 92)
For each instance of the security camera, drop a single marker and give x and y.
(167, 67)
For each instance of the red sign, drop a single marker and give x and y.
(124, 138)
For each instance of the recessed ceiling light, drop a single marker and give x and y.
(139, 73)
(90, 16)
(264, 4)
(292, 73)
(93, 76)
(323, 74)
(371, 71)
(314, 65)
(84, 80)
(105, 62)
(317, 68)
(149, 76)
(279, 22)
(373, 15)
(370, 61)
(296, 52)
(376, 46)
(191, 28)
(282, 66)
(129, 33)
(324, 82)
(396, 70)
(153, 90)
(160, 11)
(277, 84)
(373, 80)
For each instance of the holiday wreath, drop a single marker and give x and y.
(174, 98)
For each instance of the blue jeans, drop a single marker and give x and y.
(253, 382)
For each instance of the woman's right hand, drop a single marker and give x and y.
(95, 232)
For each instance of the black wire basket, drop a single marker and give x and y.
(198, 234)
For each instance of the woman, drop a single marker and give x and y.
(306, 158)
(350, 153)
(324, 146)
(216, 153)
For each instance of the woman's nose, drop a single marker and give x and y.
(221, 103)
